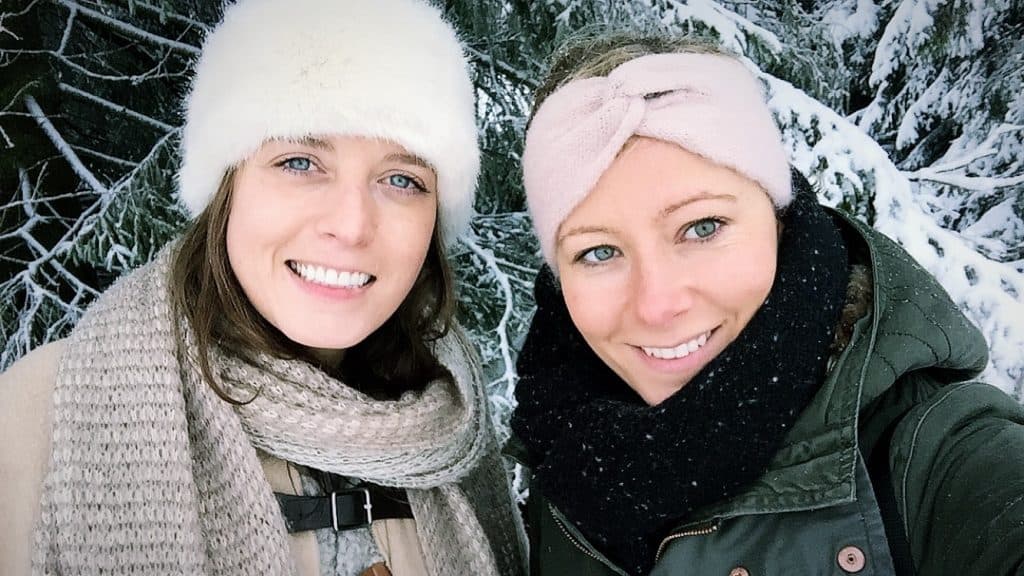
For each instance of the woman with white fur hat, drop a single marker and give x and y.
(283, 390)
(722, 376)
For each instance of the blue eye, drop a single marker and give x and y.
(298, 164)
(405, 183)
(401, 181)
(703, 229)
(598, 255)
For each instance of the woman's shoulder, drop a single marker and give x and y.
(958, 474)
(26, 390)
(26, 411)
(26, 416)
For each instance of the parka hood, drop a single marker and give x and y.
(912, 327)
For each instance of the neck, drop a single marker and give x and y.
(328, 358)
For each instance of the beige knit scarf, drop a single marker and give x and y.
(152, 473)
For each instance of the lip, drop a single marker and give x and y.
(335, 293)
(686, 363)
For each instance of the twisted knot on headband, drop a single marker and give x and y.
(708, 104)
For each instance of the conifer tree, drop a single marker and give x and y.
(908, 114)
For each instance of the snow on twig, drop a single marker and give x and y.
(504, 67)
(131, 30)
(116, 107)
(62, 146)
(508, 374)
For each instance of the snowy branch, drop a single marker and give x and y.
(941, 173)
(62, 146)
(67, 30)
(501, 329)
(116, 108)
(131, 30)
(164, 13)
(133, 78)
(965, 182)
(519, 75)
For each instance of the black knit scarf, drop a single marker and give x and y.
(623, 472)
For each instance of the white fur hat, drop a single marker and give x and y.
(390, 69)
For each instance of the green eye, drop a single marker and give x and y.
(703, 229)
(598, 255)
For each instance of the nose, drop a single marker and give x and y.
(661, 290)
(347, 213)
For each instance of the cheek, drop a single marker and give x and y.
(407, 239)
(751, 274)
(235, 242)
(591, 310)
(248, 220)
(416, 236)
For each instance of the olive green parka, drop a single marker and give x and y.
(945, 493)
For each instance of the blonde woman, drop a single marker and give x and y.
(722, 376)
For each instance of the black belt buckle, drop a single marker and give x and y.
(349, 505)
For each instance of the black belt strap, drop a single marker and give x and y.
(881, 481)
(344, 509)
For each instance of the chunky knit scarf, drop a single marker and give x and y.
(152, 473)
(624, 472)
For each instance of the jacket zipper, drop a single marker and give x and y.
(702, 531)
(569, 536)
(579, 545)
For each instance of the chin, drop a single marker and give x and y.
(334, 341)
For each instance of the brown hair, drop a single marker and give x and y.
(594, 52)
(206, 293)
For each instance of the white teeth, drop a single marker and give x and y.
(330, 276)
(679, 351)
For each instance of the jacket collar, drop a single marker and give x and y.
(912, 325)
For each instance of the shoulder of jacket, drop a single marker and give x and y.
(26, 421)
(947, 408)
(936, 427)
(26, 387)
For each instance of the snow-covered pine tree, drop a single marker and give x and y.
(907, 114)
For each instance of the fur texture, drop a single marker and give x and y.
(388, 69)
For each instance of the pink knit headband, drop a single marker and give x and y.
(709, 104)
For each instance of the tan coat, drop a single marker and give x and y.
(26, 418)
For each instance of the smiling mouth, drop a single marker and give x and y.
(329, 276)
(679, 351)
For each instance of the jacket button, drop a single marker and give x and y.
(739, 571)
(851, 559)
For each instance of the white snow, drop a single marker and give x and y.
(843, 24)
(987, 297)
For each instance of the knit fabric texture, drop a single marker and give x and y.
(708, 104)
(152, 473)
(624, 472)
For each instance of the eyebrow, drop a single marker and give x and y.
(312, 142)
(702, 195)
(664, 213)
(323, 144)
(582, 230)
(407, 158)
